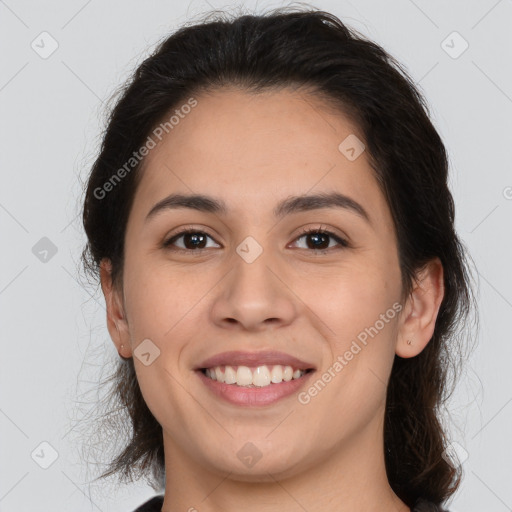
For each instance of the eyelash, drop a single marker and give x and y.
(341, 241)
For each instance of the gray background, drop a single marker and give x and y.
(54, 337)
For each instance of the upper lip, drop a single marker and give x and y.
(239, 358)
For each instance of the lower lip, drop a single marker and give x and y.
(257, 396)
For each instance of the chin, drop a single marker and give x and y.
(262, 468)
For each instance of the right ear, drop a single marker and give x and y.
(116, 320)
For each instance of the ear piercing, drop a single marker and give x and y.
(409, 342)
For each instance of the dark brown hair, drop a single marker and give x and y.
(312, 50)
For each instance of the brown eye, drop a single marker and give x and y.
(320, 239)
(193, 240)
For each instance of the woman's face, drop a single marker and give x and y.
(250, 281)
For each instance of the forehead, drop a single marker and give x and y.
(255, 149)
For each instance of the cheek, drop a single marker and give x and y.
(362, 316)
(158, 299)
(350, 299)
(360, 308)
(164, 396)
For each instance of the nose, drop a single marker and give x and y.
(254, 296)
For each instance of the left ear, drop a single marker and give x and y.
(421, 310)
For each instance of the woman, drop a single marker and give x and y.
(271, 224)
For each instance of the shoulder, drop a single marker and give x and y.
(152, 505)
(422, 505)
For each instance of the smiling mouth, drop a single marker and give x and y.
(254, 377)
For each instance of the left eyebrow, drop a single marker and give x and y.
(290, 205)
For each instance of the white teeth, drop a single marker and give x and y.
(287, 373)
(229, 375)
(243, 376)
(277, 374)
(259, 377)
